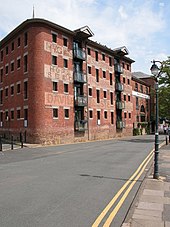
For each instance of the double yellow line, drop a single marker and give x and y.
(132, 180)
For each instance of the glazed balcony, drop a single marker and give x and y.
(118, 68)
(120, 105)
(80, 77)
(119, 87)
(80, 125)
(79, 53)
(120, 124)
(80, 100)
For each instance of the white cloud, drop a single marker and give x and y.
(135, 23)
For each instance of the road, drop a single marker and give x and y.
(72, 185)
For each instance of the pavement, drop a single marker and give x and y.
(151, 207)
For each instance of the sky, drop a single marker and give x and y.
(143, 26)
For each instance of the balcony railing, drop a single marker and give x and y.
(120, 124)
(119, 87)
(118, 68)
(79, 53)
(120, 105)
(80, 77)
(80, 125)
(80, 100)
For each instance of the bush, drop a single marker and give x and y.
(136, 131)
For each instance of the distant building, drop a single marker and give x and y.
(58, 86)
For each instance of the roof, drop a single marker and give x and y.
(139, 80)
(141, 75)
(82, 33)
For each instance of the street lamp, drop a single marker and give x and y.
(156, 71)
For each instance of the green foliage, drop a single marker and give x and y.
(164, 90)
(164, 102)
(165, 76)
(136, 131)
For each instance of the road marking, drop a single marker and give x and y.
(111, 203)
(118, 206)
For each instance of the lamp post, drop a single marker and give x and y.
(156, 73)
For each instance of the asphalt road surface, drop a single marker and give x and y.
(77, 185)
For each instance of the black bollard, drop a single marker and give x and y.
(166, 140)
(0, 143)
(12, 142)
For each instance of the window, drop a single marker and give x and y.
(97, 75)
(111, 98)
(66, 113)
(88, 51)
(6, 50)
(25, 39)
(96, 56)
(18, 63)
(6, 92)
(124, 80)
(2, 55)
(104, 74)
(136, 86)
(128, 67)
(54, 60)
(124, 96)
(89, 69)
(91, 113)
(55, 86)
(25, 117)
(12, 66)
(1, 118)
(19, 42)
(6, 115)
(25, 63)
(98, 96)
(66, 88)
(112, 118)
(128, 81)
(125, 115)
(12, 114)
(129, 115)
(105, 114)
(6, 69)
(55, 113)
(103, 57)
(18, 88)
(90, 91)
(123, 65)
(65, 42)
(129, 98)
(12, 46)
(54, 38)
(12, 89)
(98, 117)
(1, 75)
(1, 96)
(147, 90)
(110, 61)
(111, 79)
(137, 103)
(105, 94)
(26, 90)
(65, 63)
(141, 88)
(18, 114)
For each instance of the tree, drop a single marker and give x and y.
(165, 69)
(164, 90)
(164, 102)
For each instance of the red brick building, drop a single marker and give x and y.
(58, 86)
